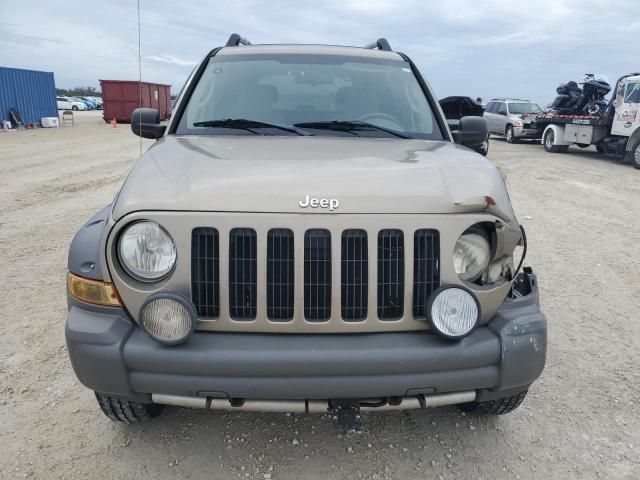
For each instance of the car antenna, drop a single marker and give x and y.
(139, 74)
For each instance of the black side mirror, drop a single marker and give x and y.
(145, 122)
(471, 131)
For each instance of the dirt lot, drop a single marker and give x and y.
(581, 419)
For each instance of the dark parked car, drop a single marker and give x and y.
(456, 107)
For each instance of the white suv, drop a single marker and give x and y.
(504, 117)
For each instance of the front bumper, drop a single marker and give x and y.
(522, 132)
(111, 355)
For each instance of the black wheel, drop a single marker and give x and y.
(509, 136)
(125, 411)
(599, 148)
(74, 108)
(582, 145)
(594, 109)
(547, 141)
(499, 406)
(633, 156)
(483, 148)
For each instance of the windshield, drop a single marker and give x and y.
(302, 88)
(518, 108)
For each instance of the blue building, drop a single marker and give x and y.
(30, 92)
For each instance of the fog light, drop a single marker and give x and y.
(453, 311)
(168, 318)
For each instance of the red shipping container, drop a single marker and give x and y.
(121, 97)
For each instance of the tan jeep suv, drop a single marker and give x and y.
(306, 234)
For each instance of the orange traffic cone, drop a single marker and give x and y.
(114, 124)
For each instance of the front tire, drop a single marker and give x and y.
(74, 108)
(483, 149)
(125, 411)
(549, 139)
(633, 156)
(499, 406)
(594, 109)
(509, 135)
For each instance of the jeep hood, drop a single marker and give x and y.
(272, 174)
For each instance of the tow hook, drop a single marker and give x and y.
(346, 413)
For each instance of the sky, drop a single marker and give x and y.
(488, 48)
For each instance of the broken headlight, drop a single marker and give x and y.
(472, 254)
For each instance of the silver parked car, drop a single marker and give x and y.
(306, 234)
(504, 117)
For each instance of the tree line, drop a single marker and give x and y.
(79, 92)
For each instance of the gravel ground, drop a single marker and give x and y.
(581, 419)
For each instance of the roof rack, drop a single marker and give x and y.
(235, 40)
(509, 100)
(380, 44)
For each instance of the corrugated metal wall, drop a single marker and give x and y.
(121, 97)
(31, 92)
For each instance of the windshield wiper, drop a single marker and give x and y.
(249, 125)
(350, 126)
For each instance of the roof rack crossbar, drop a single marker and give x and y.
(235, 40)
(380, 44)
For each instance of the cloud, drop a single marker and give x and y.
(171, 59)
(466, 47)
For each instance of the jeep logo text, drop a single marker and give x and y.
(330, 203)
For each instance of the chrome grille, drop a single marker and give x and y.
(390, 274)
(354, 267)
(317, 275)
(426, 269)
(242, 274)
(280, 274)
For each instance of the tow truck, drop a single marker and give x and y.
(616, 132)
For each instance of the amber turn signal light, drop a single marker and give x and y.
(93, 291)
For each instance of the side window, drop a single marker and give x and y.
(502, 108)
(489, 107)
(632, 93)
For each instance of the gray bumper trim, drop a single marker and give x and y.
(112, 356)
(310, 406)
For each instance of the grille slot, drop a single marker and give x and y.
(317, 275)
(280, 274)
(242, 273)
(354, 275)
(205, 271)
(426, 269)
(390, 274)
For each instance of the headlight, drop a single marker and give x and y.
(519, 123)
(146, 251)
(471, 255)
(168, 317)
(453, 311)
